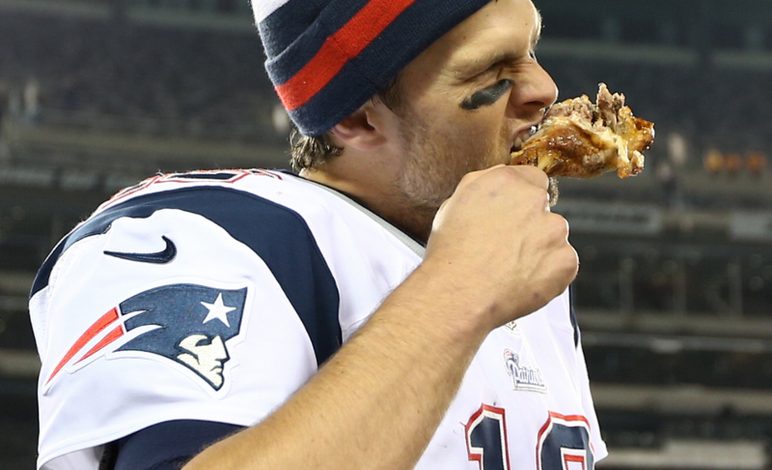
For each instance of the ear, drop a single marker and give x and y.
(362, 130)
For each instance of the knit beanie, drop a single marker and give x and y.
(326, 58)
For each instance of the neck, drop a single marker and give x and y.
(415, 222)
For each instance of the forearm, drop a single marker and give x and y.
(377, 402)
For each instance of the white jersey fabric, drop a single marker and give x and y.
(214, 295)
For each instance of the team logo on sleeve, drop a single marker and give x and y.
(188, 324)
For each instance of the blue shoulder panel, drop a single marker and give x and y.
(166, 445)
(278, 235)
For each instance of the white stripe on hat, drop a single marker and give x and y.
(263, 8)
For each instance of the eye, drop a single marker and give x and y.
(487, 96)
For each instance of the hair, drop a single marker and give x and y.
(308, 151)
(311, 152)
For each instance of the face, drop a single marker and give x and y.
(206, 356)
(467, 99)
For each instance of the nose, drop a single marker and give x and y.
(535, 92)
(218, 349)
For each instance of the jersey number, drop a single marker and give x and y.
(486, 438)
(563, 442)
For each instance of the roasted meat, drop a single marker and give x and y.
(583, 139)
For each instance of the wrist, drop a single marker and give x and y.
(453, 303)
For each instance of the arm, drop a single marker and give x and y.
(494, 255)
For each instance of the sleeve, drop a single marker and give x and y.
(207, 304)
(168, 445)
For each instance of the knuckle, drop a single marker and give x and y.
(542, 179)
(536, 175)
(559, 224)
(571, 259)
(565, 228)
(466, 178)
(537, 196)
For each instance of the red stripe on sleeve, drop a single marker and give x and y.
(338, 49)
(99, 325)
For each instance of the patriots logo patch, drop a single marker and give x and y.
(189, 324)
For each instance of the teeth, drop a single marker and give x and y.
(523, 137)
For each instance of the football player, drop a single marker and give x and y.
(400, 302)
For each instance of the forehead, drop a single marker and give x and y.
(501, 28)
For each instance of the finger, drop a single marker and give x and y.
(533, 175)
(473, 175)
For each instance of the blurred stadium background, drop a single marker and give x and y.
(675, 290)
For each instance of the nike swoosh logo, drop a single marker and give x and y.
(159, 257)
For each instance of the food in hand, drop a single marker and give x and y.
(582, 139)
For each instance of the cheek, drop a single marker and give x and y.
(484, 136)
(462, 141)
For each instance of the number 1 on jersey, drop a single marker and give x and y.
(486, 438)
(563, 442)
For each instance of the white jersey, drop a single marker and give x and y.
(215, 295)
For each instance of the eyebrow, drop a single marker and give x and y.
(481, 64)
(484, 63)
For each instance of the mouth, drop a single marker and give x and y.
(522, 137)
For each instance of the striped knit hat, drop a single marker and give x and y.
(326, 58)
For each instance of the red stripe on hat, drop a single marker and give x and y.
(338, 49)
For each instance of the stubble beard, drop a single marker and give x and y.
(434, 165)
(425, 180)
(431, 172)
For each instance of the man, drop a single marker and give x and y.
(459, 355)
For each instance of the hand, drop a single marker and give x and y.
(497, 245)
